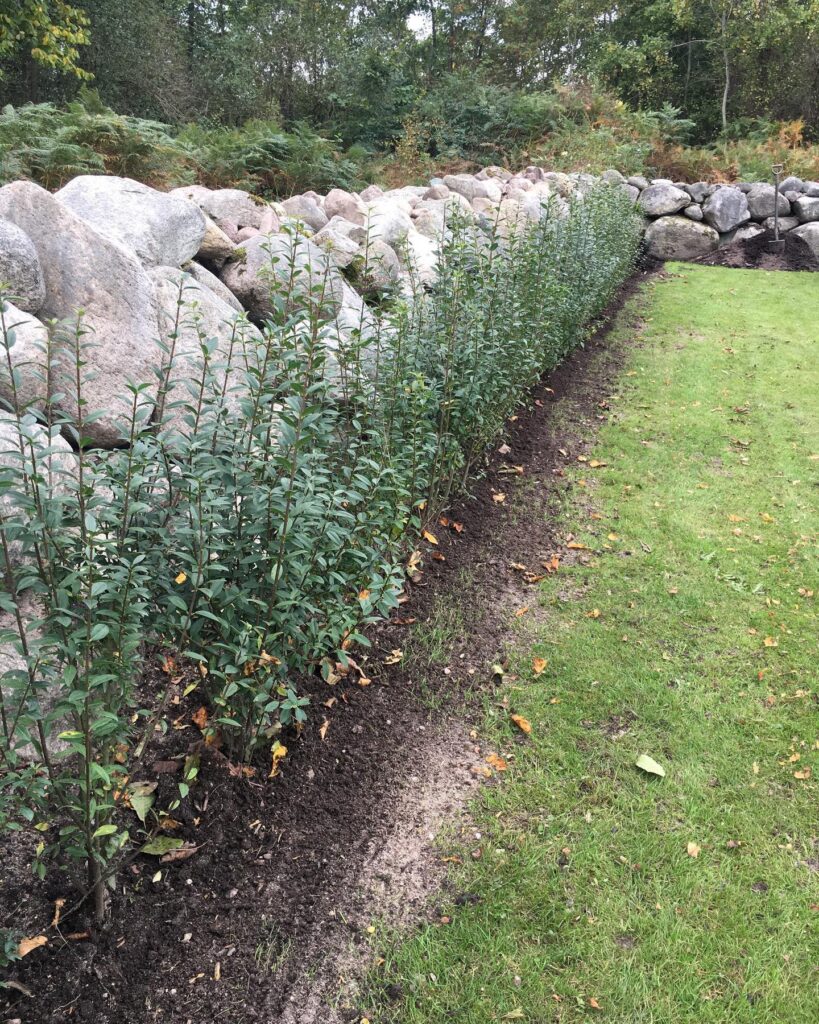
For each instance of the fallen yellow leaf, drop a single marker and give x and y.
(430, 537)
(539, 665)
(692, 850)
(277, 752)
(522, 723)
(496, 761)
(27, 945)
(521, 612)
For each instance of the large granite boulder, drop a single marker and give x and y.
(806, 209)
(202, 316)
(763, 201)
(387, 219)
(213, 283)
(791, 184)
(336, 242)
(307, 209)
(561, 183)
(23, 385)
(376, 270)
(785, 224)
(803, 243)
(662, 199)
(741, 234)
(225, 204)
(699, 191)
(267, 266)
(20, 269)
(216, 247)
(338, 203)
(53, 461)
(160, 229)
(84, 270)
(678, 238)
(419, 258)
(472, 188)
(726, 209)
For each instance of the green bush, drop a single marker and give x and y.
(264, 519)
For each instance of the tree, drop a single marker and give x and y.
(50, 30)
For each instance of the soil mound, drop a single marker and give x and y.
(753, 254)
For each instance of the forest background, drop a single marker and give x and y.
(281, 96)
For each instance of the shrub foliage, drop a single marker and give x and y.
(255, 526)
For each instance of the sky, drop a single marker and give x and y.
(419, 24)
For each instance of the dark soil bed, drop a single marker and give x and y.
(274, 856)
(754, 254)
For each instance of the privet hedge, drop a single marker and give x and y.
(264, 521)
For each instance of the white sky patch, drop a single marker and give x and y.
(420, 25)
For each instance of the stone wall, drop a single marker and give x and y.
(120, 250)
(686, 221)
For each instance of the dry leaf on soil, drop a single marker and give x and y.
(277, 752)
(200, 718)
(182, 853)
(27, 945)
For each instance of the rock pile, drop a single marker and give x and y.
(687, 221)
(106, 258)
(120, 252)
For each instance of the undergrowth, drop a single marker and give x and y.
(455, 128)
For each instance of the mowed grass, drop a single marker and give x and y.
(687, 631)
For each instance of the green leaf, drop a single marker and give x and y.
(648, 764)
(161, 845)
(141, 795)
(104, 830)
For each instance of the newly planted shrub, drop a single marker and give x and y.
(260, 509)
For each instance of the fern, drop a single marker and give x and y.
(50, 145)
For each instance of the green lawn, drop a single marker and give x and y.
(690, 634)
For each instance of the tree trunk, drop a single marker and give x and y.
(687, 75)
(727, 86)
